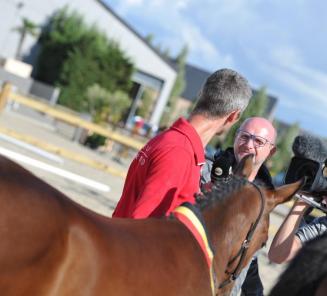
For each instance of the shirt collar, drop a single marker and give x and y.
(184, 127)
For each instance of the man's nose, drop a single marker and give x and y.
(250, 143)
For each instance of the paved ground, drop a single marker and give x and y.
(99, 201)
(102, 202)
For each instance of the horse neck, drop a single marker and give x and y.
(229, 220)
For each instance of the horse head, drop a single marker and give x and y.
(236, 214)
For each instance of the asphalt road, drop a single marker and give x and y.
(94, 195)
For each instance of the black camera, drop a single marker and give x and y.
(315, 173)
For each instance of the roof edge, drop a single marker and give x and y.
(108, 8)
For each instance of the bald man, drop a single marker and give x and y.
(255, 136)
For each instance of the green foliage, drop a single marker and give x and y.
(58, 38)
(177, 89)
(179, 84)
(215, 142)
(97, 104)
(145, 104)
(27, 28)
(95, 140)
(75, 56)
(164, 51)
(149, 38)
(257, 107)
(282, 157)
(105, 106)
(119, 103)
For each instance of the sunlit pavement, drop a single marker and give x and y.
(269, 272)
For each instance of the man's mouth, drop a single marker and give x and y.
(245, 153)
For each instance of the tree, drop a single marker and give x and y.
(75, 56)
(149, 38)
(257, 107)
(177, 89)
(98, 100)
(145, 104)
(282, 157)
(119, 104)
(27, 28)
(106, 106)
(58, 38)
(164, 51)
(180, 82)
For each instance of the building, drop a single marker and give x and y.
(153, 72)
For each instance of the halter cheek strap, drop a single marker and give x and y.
(245, 245)
(192, 220)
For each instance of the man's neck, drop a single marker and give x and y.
(254, 174)
(206, 128)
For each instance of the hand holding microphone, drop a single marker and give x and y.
(309, 161)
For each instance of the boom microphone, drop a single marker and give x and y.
(309, 147)
(309, 161)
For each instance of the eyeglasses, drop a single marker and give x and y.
(258, 141)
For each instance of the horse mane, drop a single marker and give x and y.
(262, 183)
(220, 191)
(306, 271)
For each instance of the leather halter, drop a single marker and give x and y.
(205, 243)
(245, 245)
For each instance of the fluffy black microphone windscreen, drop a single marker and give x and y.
(309, 147)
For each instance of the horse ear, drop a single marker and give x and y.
(285, 193)
(245, 166)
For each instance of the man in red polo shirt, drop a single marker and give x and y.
(166, 171)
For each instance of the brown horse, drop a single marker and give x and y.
(53, 246)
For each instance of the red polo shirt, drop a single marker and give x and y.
(164, 173)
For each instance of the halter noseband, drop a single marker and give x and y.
(245, 245)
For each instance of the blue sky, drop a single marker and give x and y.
(278, 44)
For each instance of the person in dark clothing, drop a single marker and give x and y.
(255, 136)
(306, 274)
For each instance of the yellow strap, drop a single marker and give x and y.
(198, 225)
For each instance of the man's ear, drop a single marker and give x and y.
(233, 116)
(272, 151)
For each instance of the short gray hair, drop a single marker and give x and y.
(223, 92)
